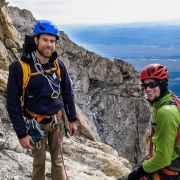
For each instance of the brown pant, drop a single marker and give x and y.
(39, 156)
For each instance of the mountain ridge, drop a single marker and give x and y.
(111, 109)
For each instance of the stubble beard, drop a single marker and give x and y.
(42, 54)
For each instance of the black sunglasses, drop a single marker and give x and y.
(151, 85)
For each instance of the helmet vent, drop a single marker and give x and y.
(158, 73)
(150, 71)
(41, 28)
(160, 67)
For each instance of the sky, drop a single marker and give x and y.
(68, 12)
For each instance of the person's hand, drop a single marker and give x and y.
(26, 142)
(72, 128)
(137, 174)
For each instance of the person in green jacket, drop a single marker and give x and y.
(164, 163)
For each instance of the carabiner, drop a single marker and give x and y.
(38, 145)
(54, 95)
(55, 123)
(53, 126)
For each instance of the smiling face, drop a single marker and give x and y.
(152, 93)
(45, 47)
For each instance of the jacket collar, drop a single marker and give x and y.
(167, 97)
(28, 47)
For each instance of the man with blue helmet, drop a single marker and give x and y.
(42, 104)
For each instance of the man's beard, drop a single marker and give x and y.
(42, 54)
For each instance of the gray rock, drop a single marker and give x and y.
(113, 114)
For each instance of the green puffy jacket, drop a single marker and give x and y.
(166, 121)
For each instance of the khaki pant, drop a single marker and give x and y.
(39, 156)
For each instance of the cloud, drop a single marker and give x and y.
(100, 11)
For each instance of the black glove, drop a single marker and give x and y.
(137, 174)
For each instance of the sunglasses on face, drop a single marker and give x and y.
(150, 85)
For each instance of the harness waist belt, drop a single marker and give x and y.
(156, 176)
(170, 172)
(39, 117)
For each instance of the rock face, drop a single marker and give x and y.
(113, 114)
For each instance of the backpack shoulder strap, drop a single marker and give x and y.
(26, 70)
(58, 68)
(169, 102)
(26, 73)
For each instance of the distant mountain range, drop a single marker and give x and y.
(160, 36)
(141, 38)
(137, 43)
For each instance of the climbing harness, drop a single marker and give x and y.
(40, 117)
(169, 172)
(33, 127)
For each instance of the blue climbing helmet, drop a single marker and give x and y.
(46, 27)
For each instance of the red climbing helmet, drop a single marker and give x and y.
(154, 71)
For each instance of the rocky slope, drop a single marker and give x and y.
(113, 115)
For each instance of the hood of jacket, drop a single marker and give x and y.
(29, 46)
